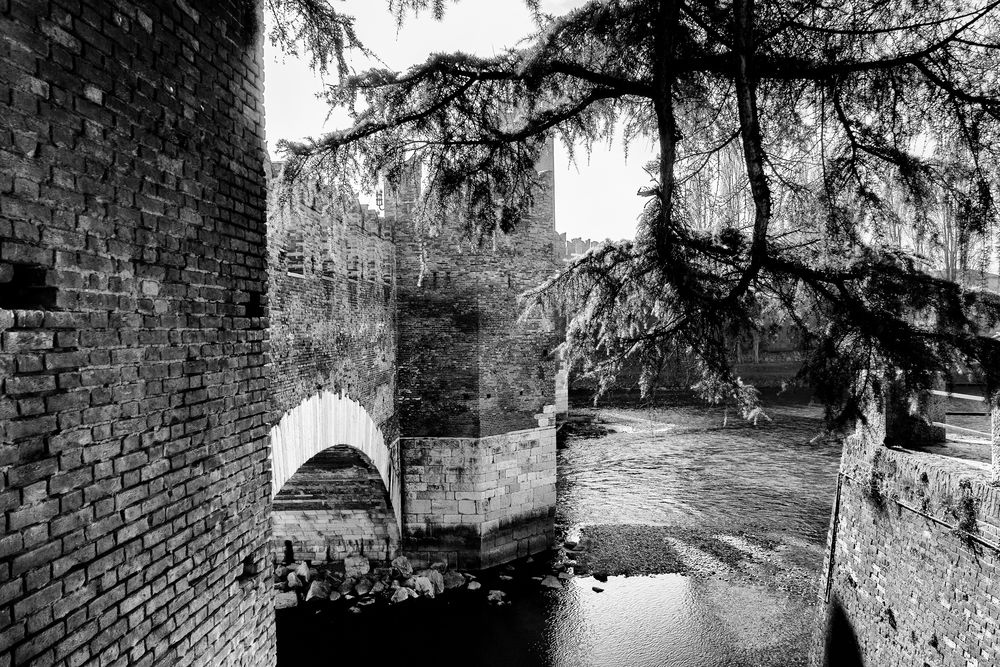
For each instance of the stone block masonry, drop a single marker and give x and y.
(479, 502)
(133, 334)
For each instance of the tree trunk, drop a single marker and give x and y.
(995, 439)
(753, 152)
(663, 104)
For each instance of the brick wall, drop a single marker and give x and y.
(333, 346)
(904, 587)
(467, 367)
(134, 468)
(333, 307)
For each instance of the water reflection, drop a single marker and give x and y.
(670, 621)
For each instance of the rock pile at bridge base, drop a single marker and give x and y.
(357, 582)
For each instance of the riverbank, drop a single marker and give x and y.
(699, 542)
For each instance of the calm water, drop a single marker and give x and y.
(655, 471)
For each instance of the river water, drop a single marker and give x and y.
(712, 532)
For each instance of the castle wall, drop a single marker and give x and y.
(913, 562)
(479, 502)
(133, 335)
(333, 305)
(333, 332)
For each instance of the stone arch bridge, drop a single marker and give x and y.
(450, 400)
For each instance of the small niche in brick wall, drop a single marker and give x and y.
(23, 287)
(248, 570)
(255, 304)
(295, 254)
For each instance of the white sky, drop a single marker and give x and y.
(595, 199)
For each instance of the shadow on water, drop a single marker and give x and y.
(647, 621)
(841, 648)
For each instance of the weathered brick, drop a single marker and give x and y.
(104, 216)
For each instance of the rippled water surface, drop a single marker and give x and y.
(681, 466)
(677, 481)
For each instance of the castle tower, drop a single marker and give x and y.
(476, 388)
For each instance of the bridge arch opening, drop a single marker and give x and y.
(335, 483)
(335, 505)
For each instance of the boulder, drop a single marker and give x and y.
(377, 587)
(356, 566)
(318, 590)
(570, 545)
(567, 574)
(474, 586)
(400, 595)
(305, 572)
(347, 586)
(440, 566)
(453, 580)
(294, 581)
(496, 597)
(551, 582)
(402, 565)
(424, 586)
(601, 576)
(436, 579)
(597, 589)
(334, 596)
(362, 587)
(285, 600)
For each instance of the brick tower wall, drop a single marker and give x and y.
(133, 431)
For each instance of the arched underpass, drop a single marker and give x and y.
(335, 482)
(333, 506)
